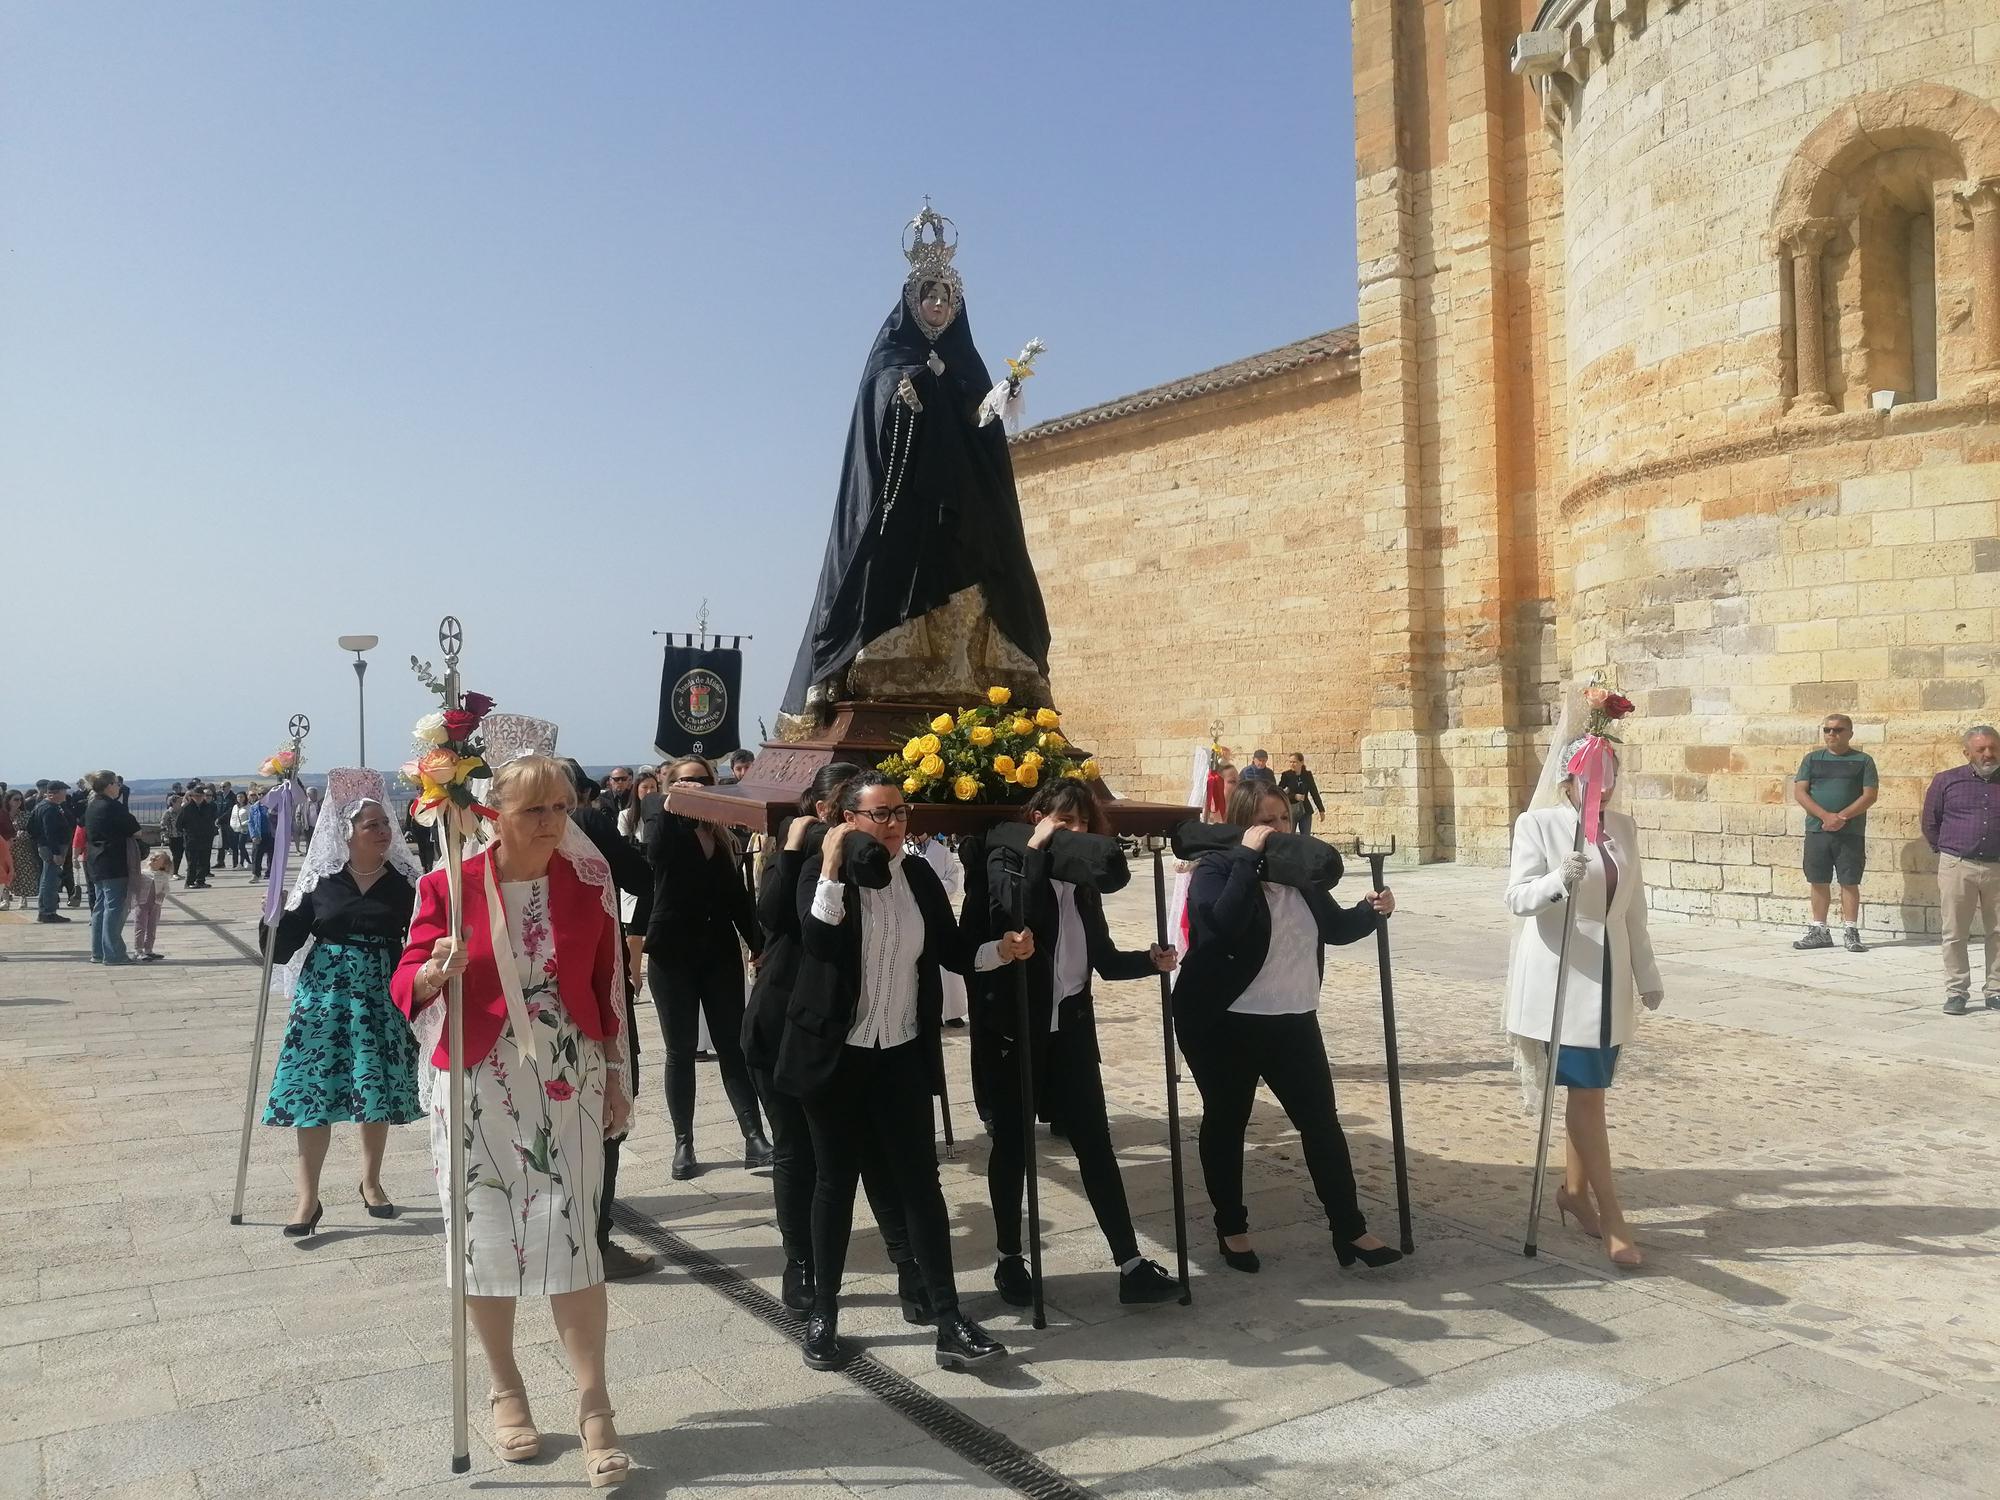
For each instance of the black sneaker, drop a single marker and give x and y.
(1147, 1282)
(1993, 1002)
(55, 916)
(822, 1348)
(1851, 941)
(1012, 1281)
(1816, 937)
(963, 1345)
(1954, 1005)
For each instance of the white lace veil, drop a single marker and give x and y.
(347, 791)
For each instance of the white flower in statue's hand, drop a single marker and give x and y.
(430, 730)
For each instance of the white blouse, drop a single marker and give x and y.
(892, 941)
(1288, 984)
(1072, 955)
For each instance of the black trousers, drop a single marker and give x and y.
(612, 1147)
(688, 978)
(260, 859)
(1288, 1053)
(198, 860)
(610, 1193)
(795, 1175)
(1072, 1088)
(878, 1104)
(179, 847)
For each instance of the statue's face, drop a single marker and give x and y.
(936, 305)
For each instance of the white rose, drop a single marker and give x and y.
(430, 730)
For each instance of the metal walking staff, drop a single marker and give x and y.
(1173, 1077)
(1528, 1247)
(451, 640)
(1376, 858)
(274, 900)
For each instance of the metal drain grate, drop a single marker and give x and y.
(972, 1441)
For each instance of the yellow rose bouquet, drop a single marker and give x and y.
(992, 752)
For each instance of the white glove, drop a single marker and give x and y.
(1573, 866)
(1651, 999)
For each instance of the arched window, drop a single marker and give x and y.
(1888, 247)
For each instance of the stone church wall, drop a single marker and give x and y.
(1205, 563)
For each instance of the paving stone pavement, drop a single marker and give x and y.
(1805, 1144)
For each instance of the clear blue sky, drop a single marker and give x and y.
(325, 319)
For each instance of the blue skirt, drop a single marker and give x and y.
(1586, 1067)
(348, 1054)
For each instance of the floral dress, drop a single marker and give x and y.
(534, 1133)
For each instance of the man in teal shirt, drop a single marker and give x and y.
(1836, 785)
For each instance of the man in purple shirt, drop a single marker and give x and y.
(1961, 823)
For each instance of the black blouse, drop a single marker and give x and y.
(338, 911)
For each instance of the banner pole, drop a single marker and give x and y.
(450, 640)
(300, 727)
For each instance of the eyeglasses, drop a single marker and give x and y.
(616, 779)
(884, 816)
(1835, 729)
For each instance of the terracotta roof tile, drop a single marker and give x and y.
(1315, 350)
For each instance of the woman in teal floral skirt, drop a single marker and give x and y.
(348, 1053)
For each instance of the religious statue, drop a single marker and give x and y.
(927, 593)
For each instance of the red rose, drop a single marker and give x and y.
(478, 703)
(1617, 706)
(559, 1089)
(460, 723)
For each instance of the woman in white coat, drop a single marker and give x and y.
(1611, 973)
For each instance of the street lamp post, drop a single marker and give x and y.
(358, 644)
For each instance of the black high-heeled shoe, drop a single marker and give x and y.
(1237, 1260)
(375, 1210)
(1347, 1253)
(309, 1228)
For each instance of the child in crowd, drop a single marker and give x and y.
(149, 894)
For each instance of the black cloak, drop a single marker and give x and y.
(956, 520)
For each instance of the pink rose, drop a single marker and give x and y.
(1595, 696)
(559, 1089)
(437, 766)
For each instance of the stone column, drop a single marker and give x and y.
(1981, 202)
(1804, 243)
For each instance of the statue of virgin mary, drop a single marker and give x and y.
(927, 593)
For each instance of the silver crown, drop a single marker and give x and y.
(930, 240)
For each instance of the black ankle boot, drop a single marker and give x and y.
(797, 1293)
(756, 1150)
(684, 1163)
(963, 1345)
(913, 1292)
(823, 1349)
(1012, 1282)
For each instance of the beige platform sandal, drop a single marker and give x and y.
(603, 1467)
(515, 1445)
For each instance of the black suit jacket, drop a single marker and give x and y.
(697, 898)
(997, 1015)
(827, 990)
(1229, 925)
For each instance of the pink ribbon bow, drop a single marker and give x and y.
(1592, 766)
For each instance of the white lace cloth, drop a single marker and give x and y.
(348, 790)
